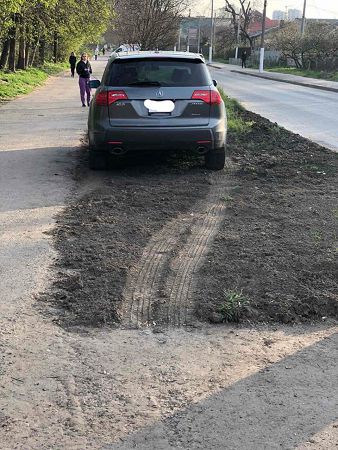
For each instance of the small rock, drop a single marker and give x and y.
(153, 403)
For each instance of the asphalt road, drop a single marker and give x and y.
(309, 112)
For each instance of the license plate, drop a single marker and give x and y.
(161, 106)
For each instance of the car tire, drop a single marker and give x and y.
(215, 159)
(97, 160)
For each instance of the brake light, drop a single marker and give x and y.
(211, 97)
(114, 96)
(101, 98)
(215, 98)
(201, 95)
(106, 98)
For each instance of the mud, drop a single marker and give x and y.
(162, 241)
(278, 241)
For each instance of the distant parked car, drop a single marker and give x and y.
(126, 48)
(158, 101)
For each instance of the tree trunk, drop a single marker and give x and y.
(12, 45)
(55, 47)
(34, 46)
(22, 45)
(4, 54)
(42, 47)
(27, 53)
(27, 46)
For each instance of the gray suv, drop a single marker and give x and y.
(157, 101)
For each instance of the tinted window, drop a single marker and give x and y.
(164, 71)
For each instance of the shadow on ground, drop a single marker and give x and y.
(281, 406)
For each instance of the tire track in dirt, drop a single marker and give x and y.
(184, 267)
(143, 282)
(76, 418)
(159, 287)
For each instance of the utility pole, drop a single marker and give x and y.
(188, 40)
(303, 19)
(211, 32)
(199, 36)
(238, 29)
(261, 55)
(214, 30)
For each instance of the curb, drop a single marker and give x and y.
(213, 65)
(298, 83)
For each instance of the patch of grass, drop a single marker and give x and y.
(233, 305)
(317, 236)
(221, 60)
(24, 81)
(331, 76)
(319, 169)
(227, 198)
(234, 110)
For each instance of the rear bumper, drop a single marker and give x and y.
(143, 139)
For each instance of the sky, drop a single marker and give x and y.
(321, 9)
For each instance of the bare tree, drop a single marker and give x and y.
(225, 41)
(316, 49)
(241, 17)
(152, 23)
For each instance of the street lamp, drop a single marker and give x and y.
(261, 54)
(211, 32)
(238, 29)
(303, 19)
(199, 36)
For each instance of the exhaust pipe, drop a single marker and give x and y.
(201, 150)
(118, 151)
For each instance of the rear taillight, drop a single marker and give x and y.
(106, 98)
(114, 96)
(215, 98)
(211, 97)
(201, 95)
(101, 98)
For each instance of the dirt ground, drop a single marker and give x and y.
(121, 354)
(164, 242)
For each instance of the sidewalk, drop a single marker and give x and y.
(314, 83)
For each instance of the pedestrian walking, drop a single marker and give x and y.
(83, 69)
(103, 51)
(96, 52)
(243, 58)
(72, 62)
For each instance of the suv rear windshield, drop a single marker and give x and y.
(158, 72)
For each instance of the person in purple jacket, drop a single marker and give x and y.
(84, 69)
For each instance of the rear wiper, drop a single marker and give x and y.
(145, 83)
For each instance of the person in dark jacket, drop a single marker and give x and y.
(243, 58)
(72, 62)
(84, 69)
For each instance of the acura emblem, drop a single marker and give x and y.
(159, 93)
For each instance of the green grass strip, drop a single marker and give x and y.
(331, 76)
(234, 110)
(24, 81)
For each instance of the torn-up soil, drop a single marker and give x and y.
(278, 240)
(165, 242)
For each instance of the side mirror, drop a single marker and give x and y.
(94, 84)
(214, 82)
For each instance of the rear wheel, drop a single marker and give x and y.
(215, 159)
(97, 160)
